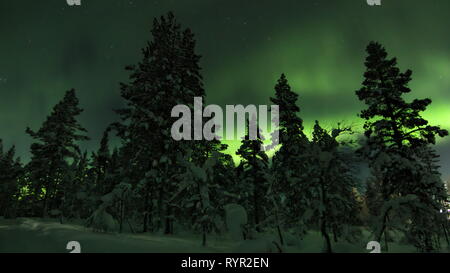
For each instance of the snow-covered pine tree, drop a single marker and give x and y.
(252, 173)
(396, 134)
(199, 195)
(167, 75)
(330, 186)
(289, 162)
(428, 223)
(222, 180)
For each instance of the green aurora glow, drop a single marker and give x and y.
(48, 47)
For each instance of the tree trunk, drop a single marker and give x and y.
(386, 240)
(256, 210)
(122, 215)
(335, 235)
(445, 234)
(45, 207)
(383, 225)
(160, 209)
(280, 235)
(204, 235)
(169, 223)
(255, 199)
(277, 220)
(327, 239)
(61, 215)
(323, 221)
(145, 229)
(131, 227)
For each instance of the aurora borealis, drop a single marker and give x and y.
(48, 47)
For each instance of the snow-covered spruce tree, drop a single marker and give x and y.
(10, 172)
(252, 173)
(396, 135)
(222, 170)
(194, 194)
(221, 182)
(330, 186)
(205, 187)
(110, 180)
(428, 223)
(56, 143)
(167, 75)
(105, 175)
(289, 162)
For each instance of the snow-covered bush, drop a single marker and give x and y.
(102, 221)
(236, 219)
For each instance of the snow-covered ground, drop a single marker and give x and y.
(49, 236)
(36, 235)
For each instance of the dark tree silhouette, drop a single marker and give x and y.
(152, 182)
(10, 172)
(167, 75)
(289, 164)
(396, 134)
(100, 165)
(252, 174)
(56, 144)
(291, 126)
(330, 185)
(76, 183)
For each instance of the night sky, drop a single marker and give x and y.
(47, 47)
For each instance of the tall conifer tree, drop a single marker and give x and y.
(397, 138)
(253, 169)
(289, 164)
(167, 75)
(56, 143)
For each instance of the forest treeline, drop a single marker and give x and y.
(152, 183)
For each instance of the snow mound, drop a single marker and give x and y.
(236, 219)
(102, 221)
